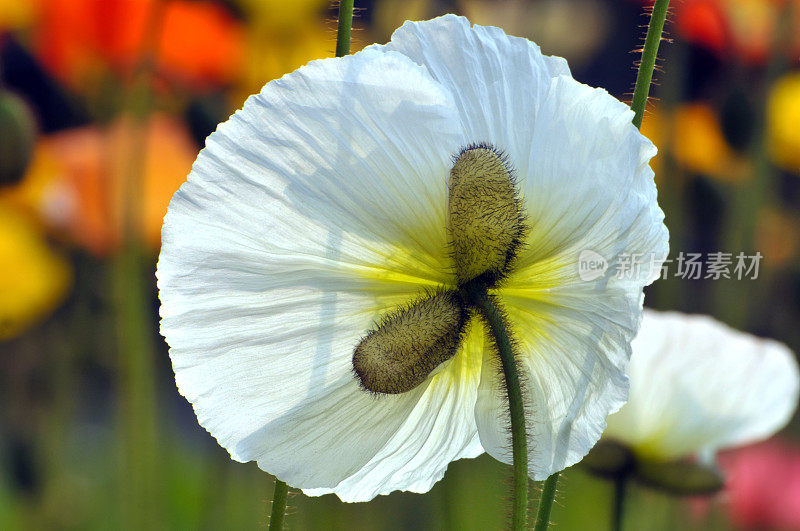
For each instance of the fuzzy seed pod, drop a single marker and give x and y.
(485, 217)
(407, 345)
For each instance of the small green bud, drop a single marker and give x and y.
(406, 346)
(681, 478)
(485, 217)
(17, 138)
(609, 459)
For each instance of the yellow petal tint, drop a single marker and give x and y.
(78, 180)
(531, 281)
(33, 279)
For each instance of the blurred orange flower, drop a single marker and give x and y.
(33, 279)
(783, 122)
(198, 41)
(777, 236)
(80, 178)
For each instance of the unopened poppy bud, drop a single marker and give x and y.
(406, 346)
(485, 217)
(682, 478)
(18, 132)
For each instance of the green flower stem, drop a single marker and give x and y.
(546, 503)
(648, 62)
(519, 443)
(345, 27)
(342, 48)
(620, 488)
(278, 505)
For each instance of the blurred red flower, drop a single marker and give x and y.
(199, 42)
(763, 485)
(746, 29)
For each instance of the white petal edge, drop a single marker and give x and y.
(698, 385)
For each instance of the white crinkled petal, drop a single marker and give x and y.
(314, 209)
(575, 333)
(571, 360)
(437, 432)
(497, 80)
(698, 386)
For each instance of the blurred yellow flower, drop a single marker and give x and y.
(693, 131)
(783, 117)
(281, 37)
(15, 14)
(699, 144)
(277, 14)
(33, 279)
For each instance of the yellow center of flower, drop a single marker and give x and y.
(485, 223)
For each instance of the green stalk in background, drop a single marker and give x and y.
(648, 63)
(345, 28)
(278, 506)
(138, 482)
(546, 503)
(620, 486)
(641, 92)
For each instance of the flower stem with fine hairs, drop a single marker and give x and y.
(648, 62)
(342, 48)
(345, 27)
(546, 502)
(519, 442)
(278, 505)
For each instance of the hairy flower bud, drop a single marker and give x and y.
(407, 345)
(485, 217)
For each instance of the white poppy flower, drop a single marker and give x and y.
(322, 206)
(698, 386)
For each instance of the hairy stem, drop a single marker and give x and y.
(342, 48)
(278, 505)
(648, 63)
(345, 27)
(519, 443)
(546, 503)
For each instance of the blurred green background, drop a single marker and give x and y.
(105, 104)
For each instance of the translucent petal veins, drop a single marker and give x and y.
(406, 346)
(485, 218)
